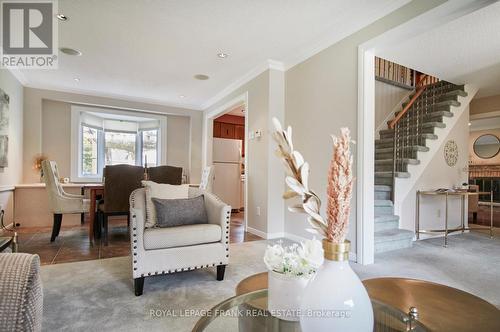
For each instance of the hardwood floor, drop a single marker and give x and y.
(237, 229)
(72, 244)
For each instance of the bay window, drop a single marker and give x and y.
(105, 137)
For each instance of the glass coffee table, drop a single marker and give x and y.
(248, 313)
(440, 308)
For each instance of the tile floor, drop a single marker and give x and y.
(73, 245)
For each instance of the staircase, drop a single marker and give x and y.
(400, 146)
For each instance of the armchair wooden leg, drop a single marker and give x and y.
(138, 286)
(56, 227)
(220, 272)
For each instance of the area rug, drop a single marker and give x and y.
(98, 295)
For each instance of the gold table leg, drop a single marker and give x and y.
(446, 222)
(491, 214)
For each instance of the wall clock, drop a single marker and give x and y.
(451, 153)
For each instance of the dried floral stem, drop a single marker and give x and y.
(339, 189)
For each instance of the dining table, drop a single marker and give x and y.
(94, 190)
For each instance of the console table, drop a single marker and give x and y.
(446, 194)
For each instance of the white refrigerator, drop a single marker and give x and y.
(227, 170)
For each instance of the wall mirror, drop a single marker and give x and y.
(487, 146)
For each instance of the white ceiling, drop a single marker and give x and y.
(465, 50)
(149, 50)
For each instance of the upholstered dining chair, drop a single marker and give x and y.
(165, 174)
(207, 179)
(60, 202)
(119, 182)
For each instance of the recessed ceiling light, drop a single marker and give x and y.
(201, 77)
(222, 55)
(76, 79)
(182, 96)
(62, 17)
(70, 51)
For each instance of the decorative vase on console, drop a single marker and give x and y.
(334, 299)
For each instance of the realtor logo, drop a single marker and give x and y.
(29, 34)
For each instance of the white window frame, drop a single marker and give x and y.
(76, 140)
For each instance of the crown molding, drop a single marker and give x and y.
(94, 93)
(256, 71)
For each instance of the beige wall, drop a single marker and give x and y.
(47, 129)
(387, 97)
(322, 97)
(476, 160)
(14, 172)
(485, 105)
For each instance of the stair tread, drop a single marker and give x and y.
(391, 139)
(389, 174)
(424, 125)
(413, 147)
(392, 235)
(391, 161)
(383, 202)
(381, 187)
(435, 113)
(386, 218)
(441, 103)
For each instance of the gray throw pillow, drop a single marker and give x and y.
(180, 212)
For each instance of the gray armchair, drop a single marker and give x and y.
(60, 202)
(183, 248)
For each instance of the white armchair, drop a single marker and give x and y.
(167, 250)
(60, 202)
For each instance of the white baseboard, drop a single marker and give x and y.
(257, 232)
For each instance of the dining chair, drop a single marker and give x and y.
(119, 182)
(165, 174)
(60, 202)
(207, 179)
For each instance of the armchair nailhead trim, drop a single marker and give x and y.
(135, 269)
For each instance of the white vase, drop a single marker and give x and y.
(285, 295)
(335, 299)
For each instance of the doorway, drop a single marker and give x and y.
(226, 150)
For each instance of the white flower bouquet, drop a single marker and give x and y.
(295, 260)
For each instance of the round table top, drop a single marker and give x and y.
(440, 308)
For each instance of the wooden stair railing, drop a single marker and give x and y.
(420, 89)
(409, 124)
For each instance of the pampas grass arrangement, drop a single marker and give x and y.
(339, 189)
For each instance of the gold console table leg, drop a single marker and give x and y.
(446, 221)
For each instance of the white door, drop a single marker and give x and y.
(227, 183)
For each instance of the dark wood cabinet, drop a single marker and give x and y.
(227, 130)
(239, 132)
(216, 129)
